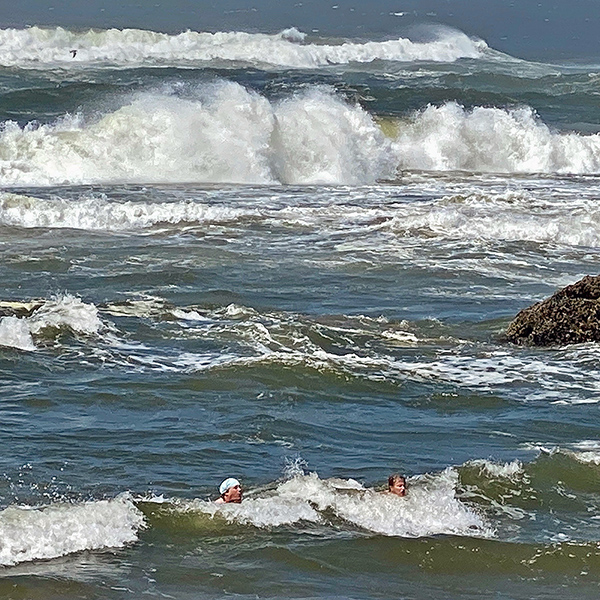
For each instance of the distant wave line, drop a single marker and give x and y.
(36, 46)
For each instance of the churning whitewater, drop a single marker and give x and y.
(239, 338)
(436, 506)
(291, 258)
(392, 224)
(225, 133)
(60, 529)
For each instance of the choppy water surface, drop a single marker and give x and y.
(291, 260)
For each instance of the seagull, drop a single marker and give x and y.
(74, 53)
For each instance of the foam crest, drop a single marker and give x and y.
(66, 311)
(588, 458)
(15, 333)
(587, 452)
(558, 380)
(35, 46)
(499, 470)
(225, 133)
(62, 312)
(493, 140)
(59, 529)
(430, 508)
(275, 338)
(365, 349)
(264, 512)
(328, 142)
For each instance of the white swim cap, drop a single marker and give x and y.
(228, 483)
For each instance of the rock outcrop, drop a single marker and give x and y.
(570, 316)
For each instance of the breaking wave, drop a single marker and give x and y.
(62, 313)
(29, 533)
(535, 489)
(35, 47)
(98, 213)
(225, 133)
(509, 216)
(15, 333)
(431, 507)
(492, 140)
(478, 499)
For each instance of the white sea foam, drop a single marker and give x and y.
(189, 315)
(15, 333)
(366, 350)
(549, 380)
(59, 529)
(507, 216)
(66, 311)
(587, 452)
(225, 133)
(499, 470)
(588, 445)
(589, 457)
(430, 508)
(98, 213)
(278, 339)
(470, 368)
(35, 46)
(146, 307)
(510, 216)
(452, 138)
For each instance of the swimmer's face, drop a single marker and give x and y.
(398, 487)
(233, 494)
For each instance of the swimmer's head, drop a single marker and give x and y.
(397, 485)
(231, 490)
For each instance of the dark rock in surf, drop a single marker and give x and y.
(570, 316)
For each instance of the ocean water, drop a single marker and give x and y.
(289, 256)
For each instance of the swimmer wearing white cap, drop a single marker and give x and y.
(231, 492)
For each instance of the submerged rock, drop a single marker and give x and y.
(570, 316)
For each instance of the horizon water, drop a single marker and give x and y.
(288, 255)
